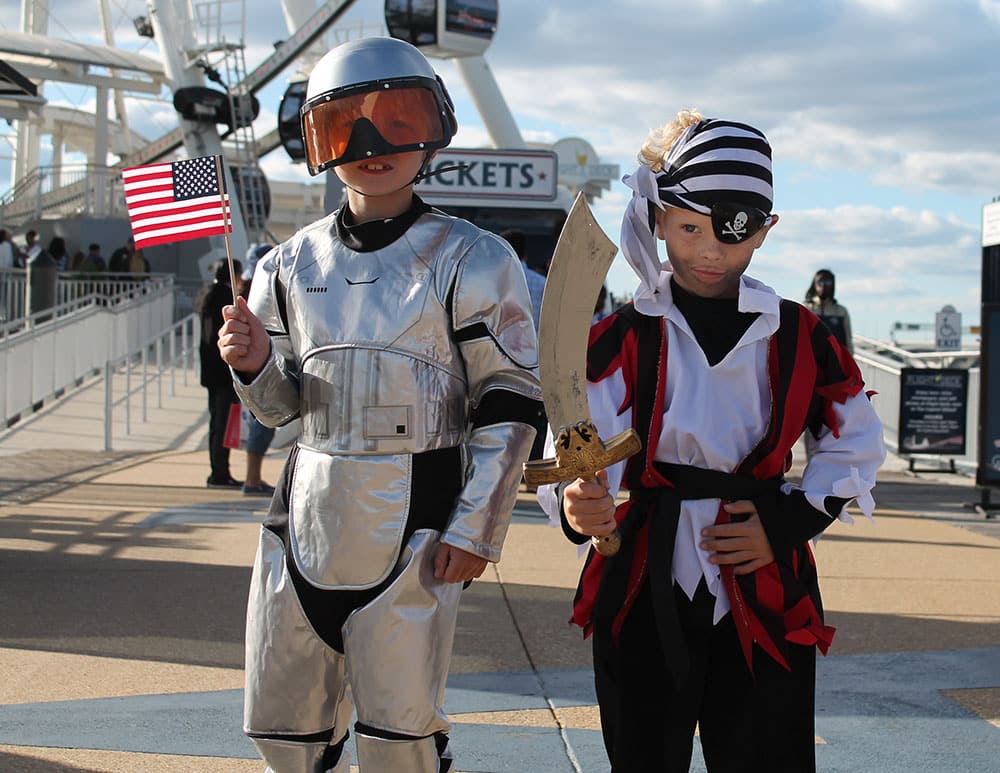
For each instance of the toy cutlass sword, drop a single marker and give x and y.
(580, 262)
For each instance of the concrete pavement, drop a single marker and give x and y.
(124, 589)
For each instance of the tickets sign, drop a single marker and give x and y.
(492, 174)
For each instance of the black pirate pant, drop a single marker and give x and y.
(747, 722)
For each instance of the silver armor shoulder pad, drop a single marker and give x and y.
(490, 290)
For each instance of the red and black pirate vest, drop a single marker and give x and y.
(808, 371)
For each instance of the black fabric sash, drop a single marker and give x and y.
(660, 508)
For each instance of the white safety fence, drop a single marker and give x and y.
(141, 360)
(12, 294)
(72, 287)
(58, 348)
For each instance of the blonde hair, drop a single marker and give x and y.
(657, 146)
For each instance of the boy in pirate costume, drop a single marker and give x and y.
(403, 338)
(710, 611)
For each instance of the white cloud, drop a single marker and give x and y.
(882, 6)
(876, 86)
(975, 172)
(991, 9)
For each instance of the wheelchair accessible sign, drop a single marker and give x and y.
(948, 330)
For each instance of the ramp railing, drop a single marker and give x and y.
(44, 354)
(156, 359)
(881, 366)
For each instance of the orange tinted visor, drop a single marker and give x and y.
(407, 119)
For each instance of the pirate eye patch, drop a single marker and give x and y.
(734, 223)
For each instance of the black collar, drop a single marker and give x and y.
(717, 323)
(376, 234)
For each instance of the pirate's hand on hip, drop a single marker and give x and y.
(742, 542)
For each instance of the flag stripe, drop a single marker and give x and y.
(164, 194)
(139, 189)
(136, 172)
(168, 206)
(193, 218)
(170, 235)
(153, 223)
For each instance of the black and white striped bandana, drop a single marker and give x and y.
(711, 162)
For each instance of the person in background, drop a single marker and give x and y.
(8, 252)
(118, 262)
(536, 281)
(137, 262)
(600, 305)
(31, 248)
(57, 249)
(128, 260)
(215, 374)
(93, 261)
(7, 255)
(76, 261)
(259, 437)
(536, 288)
(821, 300)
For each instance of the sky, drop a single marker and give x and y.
(883, 116)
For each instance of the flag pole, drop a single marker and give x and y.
(226, 221)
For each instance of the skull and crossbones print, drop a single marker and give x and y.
(737, 227)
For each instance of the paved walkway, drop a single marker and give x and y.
(124, 586)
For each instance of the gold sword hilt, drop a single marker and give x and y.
(609, 544)
(580, 453)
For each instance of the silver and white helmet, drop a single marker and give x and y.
(372, 97)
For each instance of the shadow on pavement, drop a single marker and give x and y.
(848, 538)
(193, 613)
(928, 496)
(35, 475)
(167, 611)
(25, 764)
(866, 633)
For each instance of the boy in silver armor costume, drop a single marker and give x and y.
(403, 339)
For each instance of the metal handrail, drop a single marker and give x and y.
(64, 190)
(9, 330)
(882, 365)
(908, 357)
(76, 291)
(187, 327)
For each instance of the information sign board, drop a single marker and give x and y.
(932, 411)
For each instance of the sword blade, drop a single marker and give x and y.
(579, 265)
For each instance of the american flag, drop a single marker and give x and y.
(173, 202)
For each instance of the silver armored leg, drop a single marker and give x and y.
(380, 755)
(343, 765)
(295, 683)
(398, 650)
